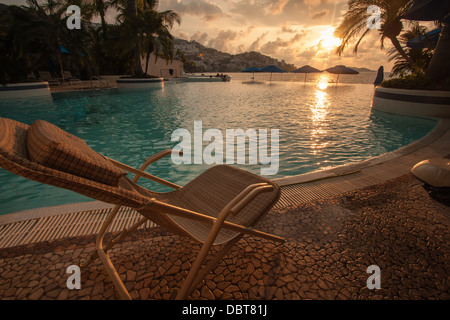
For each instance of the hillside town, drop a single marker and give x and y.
(198, 58)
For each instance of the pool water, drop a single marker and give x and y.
(320, 126)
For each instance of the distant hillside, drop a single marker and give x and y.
(204, 59)
(363, 69)
(211, 60)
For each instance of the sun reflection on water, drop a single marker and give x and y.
(319, 113)
(322, 82)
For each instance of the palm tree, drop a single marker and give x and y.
(51, 32)
(419, 56)
(355, 23)
(155, 30)
(97, 8)
(17, 44)
(439, 67)
(132, 16)
(144, 26)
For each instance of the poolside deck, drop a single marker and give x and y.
(46, 224)
(84, 85)
(336, 222)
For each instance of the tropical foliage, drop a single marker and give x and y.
(355, 20)
(417, 81)
(420, 57)
(416, 65)
(32, 36)
(146, 30)
(35, 37)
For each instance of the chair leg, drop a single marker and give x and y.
(211, 264)
(106, 261)
(194, 277)
(125, 232)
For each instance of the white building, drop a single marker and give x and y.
(162, 68)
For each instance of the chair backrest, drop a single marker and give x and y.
(14, 158)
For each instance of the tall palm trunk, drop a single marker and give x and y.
(150, 49)
(104, 27)
(137, 66)
(439, 67)
(100, 8)
(402, 52)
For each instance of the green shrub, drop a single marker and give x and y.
(416, 82)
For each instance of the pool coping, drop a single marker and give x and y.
(440, 131)
(441, 128)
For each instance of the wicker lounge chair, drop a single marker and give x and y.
(216, 208)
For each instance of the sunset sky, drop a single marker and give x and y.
(298, 31)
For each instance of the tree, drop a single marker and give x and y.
(144, 26)
(355, 23)
(51, 32)
(98, 7)
(31, 37)
(17, 44)
(132, 16)
(155, 30)
(439, 67)
(419, 56)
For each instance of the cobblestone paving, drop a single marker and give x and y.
(330, 243)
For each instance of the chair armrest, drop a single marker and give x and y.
(242, 199)
(248, 197)
(142, 173)
(154, 158)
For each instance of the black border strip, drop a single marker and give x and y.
(15, 88)
(413, 98)
(140, 81)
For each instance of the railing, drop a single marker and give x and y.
(105, 85)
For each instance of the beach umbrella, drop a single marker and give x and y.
(341, 70)
(252, 70)
(306, 69)
(272, 69)
(64, 50)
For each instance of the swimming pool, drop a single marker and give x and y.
(320, 126)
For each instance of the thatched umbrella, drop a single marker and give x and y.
(341, 70)
(306, 69)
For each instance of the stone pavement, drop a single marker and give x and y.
(330, 243)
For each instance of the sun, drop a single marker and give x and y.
(328, 41)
